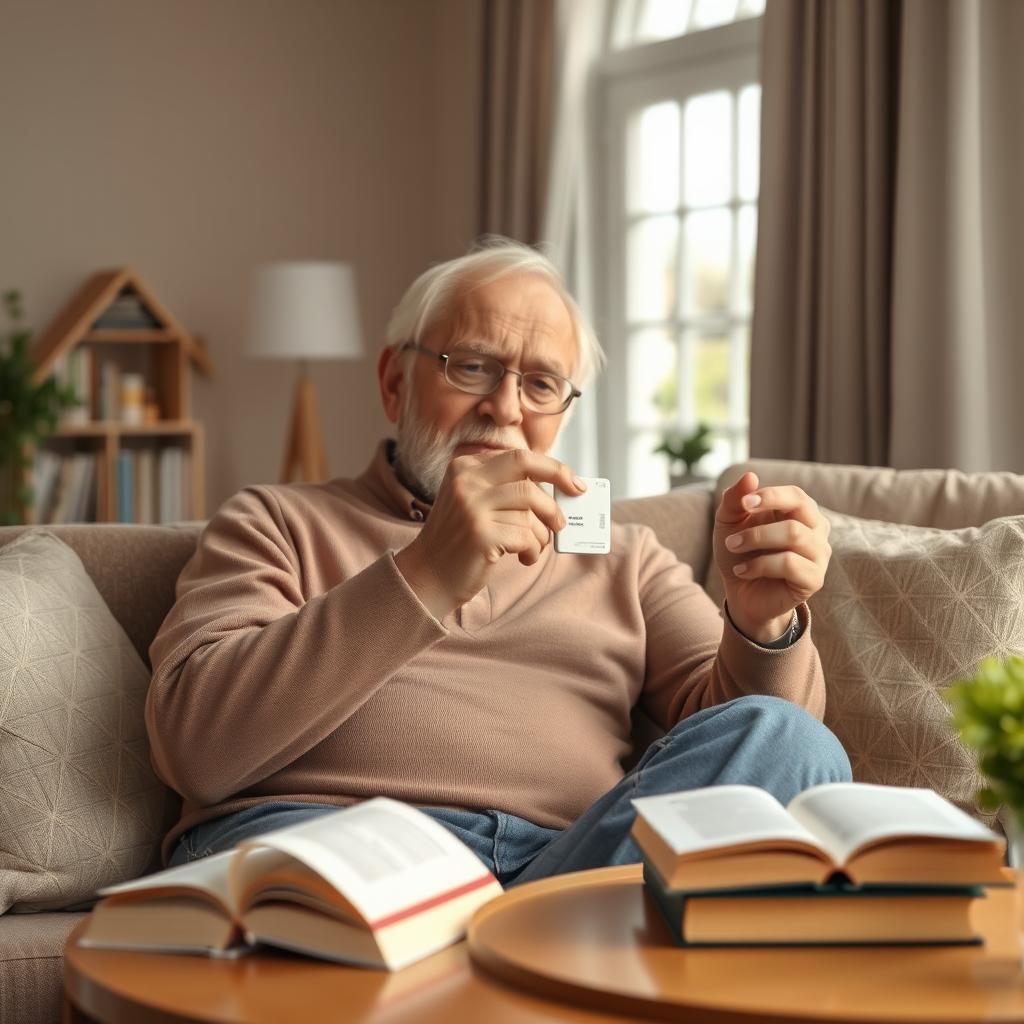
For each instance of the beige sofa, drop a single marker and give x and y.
(135, 568)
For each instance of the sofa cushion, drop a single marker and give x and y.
(80, 806)
(32, 965)
(905, 610)
(134, 567)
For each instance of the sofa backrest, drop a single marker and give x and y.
(946, 499)
(134, 568)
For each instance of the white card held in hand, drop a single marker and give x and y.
(588, 528)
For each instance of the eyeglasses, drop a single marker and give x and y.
(479, 374)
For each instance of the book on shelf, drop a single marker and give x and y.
(724, 837)
(75, 369)
(145, 485)
(127, 310)
(125, 487)
(378, 884)
(73, 497)
(110, 391)
(46, 471)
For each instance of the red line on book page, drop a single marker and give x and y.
(419, 908)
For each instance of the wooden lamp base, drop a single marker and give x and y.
(305, 449)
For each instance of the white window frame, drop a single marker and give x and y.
(724, 57)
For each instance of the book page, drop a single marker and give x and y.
(849, 815)
(208, 875)
(383, 856)
(720, 816)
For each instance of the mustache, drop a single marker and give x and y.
(483, 433)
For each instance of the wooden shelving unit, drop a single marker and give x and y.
(172, 353)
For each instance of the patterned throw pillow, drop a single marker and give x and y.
(905, 610)
(80, 807)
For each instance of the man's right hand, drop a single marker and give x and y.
(488, 506)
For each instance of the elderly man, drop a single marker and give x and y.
(412, 633)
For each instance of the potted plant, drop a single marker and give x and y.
(988, 714)
(684, 452)
(29, 411)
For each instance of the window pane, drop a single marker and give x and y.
(707, 128)
(713, 12)
(662, 19)
(750, 8)
(653, 378)
(651, 259)
(653, 185)
(747, 241)
(706, 256)
(711, 372)
(648, 473)
(750, 140)
(741, 374)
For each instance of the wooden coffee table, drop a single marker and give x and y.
(587, 947)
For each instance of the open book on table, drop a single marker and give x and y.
(379, 883)
(841, 834)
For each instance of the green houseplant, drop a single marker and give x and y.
(988, 713)
(684, 451)
(29, 411)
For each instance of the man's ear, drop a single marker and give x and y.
(391, 376)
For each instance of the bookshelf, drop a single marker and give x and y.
(132, 451)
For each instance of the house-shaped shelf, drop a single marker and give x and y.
(96, 316)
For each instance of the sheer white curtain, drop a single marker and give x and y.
(580, 39)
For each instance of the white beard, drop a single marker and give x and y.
(423, 452)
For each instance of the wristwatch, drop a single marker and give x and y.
(790, 637)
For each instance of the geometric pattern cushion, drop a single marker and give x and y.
(80, 807)
(904, 611)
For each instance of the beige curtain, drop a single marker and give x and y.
(892, 191)
(517, 113)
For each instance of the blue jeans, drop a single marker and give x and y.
(759, 741)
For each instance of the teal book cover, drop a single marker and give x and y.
(672, 905)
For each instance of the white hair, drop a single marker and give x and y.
(428, 298)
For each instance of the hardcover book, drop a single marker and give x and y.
(379, 884)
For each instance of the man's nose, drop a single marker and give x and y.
(503, 405)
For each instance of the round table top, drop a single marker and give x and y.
(587, 948)
(595, 939)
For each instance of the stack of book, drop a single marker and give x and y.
(77, 369)
(153, 486)
(842, 864)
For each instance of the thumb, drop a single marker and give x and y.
(732, 509)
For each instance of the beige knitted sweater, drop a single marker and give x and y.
(298, 664)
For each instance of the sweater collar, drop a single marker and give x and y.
(381, 478)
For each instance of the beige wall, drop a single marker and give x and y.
(195, 139)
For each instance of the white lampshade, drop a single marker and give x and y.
(304, 310)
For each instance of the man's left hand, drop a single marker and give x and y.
(771, 547)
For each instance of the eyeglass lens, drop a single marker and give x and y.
(480, 375)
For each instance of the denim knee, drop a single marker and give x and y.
(784, 727)
(796, 731)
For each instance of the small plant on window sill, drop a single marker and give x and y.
(28, 413)
(685, 452)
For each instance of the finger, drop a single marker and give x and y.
(784, 535)
(523, 464)
(733, 507)
(526, 519)
(790, 501)
(805, 576)
(513, 539)
(526, 495)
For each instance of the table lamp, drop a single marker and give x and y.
(303, 311)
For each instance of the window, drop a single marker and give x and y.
(679, 127)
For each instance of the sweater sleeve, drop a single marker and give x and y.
(247, 674)
(696, 659)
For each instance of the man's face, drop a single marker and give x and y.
(520, 320)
